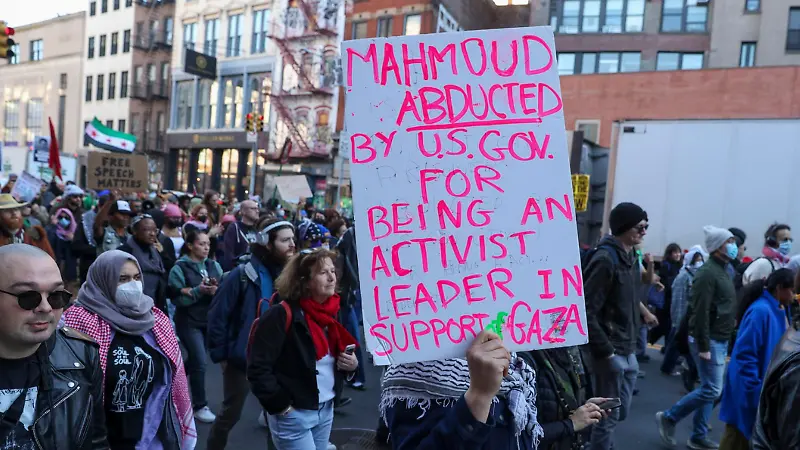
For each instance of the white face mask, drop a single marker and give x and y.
(697, 264)
(130, 298)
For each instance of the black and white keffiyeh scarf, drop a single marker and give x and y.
(445, 381)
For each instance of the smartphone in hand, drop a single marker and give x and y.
(613, 403)
(350, 349)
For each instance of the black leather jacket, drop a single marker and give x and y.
(69, 406)
(776, 426)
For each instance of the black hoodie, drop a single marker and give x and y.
(612, 285)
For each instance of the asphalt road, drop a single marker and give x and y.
(638, 432)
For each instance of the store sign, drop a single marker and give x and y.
(220, 140)
(196, 63)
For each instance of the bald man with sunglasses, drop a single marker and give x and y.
(50, 382)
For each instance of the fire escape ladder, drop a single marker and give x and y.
(311, 16)
(296, 135)
(148, 88)
(288, 56)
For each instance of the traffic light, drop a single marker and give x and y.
(6, 43)
(248, 126)
(260, 123)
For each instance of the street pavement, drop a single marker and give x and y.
(638, 432)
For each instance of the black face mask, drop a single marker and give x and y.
(174, 223)
(202, 219)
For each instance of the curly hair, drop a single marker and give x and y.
(293, 283)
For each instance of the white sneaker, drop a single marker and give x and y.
(205, 415)
(262, 420)
(331, 446)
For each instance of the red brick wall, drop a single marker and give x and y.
(752, 93)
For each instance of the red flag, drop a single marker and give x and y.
(55, 155)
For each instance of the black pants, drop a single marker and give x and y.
(664, 325)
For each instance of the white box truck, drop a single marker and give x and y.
(690, 173)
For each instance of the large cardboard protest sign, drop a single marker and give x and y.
(26, 188)
(117, 171)
(462, 193)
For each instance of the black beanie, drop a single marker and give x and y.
(624, 217)
(739, 235)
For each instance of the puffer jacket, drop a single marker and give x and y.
(69, 405)
(779, 407)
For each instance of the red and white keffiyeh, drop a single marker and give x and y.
(93, 325)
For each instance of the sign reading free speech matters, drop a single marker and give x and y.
(123, 172)
(462, 192)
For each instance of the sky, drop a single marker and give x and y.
(30, 11)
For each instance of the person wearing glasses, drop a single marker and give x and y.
(240, 234)
(612, 284)
(145, 397)
(144, 246)
(50, 382)
(300, 354)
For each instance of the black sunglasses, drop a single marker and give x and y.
(29, 300)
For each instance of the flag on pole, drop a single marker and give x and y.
(109, 139)
(55, 155)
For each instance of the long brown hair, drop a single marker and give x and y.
(293, 283)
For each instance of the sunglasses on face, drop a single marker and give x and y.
(30, 300)
(641, 228)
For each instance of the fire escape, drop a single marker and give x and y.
(306, 86)
(148, 85)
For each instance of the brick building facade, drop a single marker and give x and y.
(739, 93)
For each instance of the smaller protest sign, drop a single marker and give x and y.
(41, 149)
(126, 173)
(26, 188)
(580, 191)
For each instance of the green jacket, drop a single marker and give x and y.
(712, 306)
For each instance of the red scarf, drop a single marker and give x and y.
(320, 316)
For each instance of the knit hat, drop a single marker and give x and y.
(72, 190)
(624, 217)
(715, 237)
(173, 211)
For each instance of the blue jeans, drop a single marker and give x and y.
(701, 400)
(194, 340)
(614, 377)
(672, 354)
(302, 429)
(352, 326)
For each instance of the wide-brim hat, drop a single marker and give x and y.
(7, 201)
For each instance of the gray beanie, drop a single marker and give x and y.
(715, 237)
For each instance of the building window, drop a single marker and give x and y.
(566, 63)
(384, 27)
(182, 167)
(210, 43)
(233, 96)
(208, 103)
(116, 5)
(62, 81)
(684, 16)
(679, 61)
(121, 125)
(88, 94)
(37, 50)
(34, 118)
(159, 130)
(596, 16)
(11, 121)
(123, 84)
(152, 31)
(188, 35)
(752, 5)
(234, 35)
(103, 6)
(412, 25)
(100, 83)
(134, 124)
(793, 33)
(92, 8)
(112, 85)
(90, 49)
(126, 41)
(102, 51)
(747, 55)
(590, 128)
(169, 22)
(14, 59)
(128, 3)
(114, 43)
(110, 123)
(260, 88)
(185, 99)
(260, 31)
(359, 30)
(603, 62)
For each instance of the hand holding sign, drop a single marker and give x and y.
(488, 362)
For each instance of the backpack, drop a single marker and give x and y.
(264, 305)
(738, 279)
(588, 254)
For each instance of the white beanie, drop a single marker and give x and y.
(72, 190)
(715, 237)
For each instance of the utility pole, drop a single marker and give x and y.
(259, 129)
